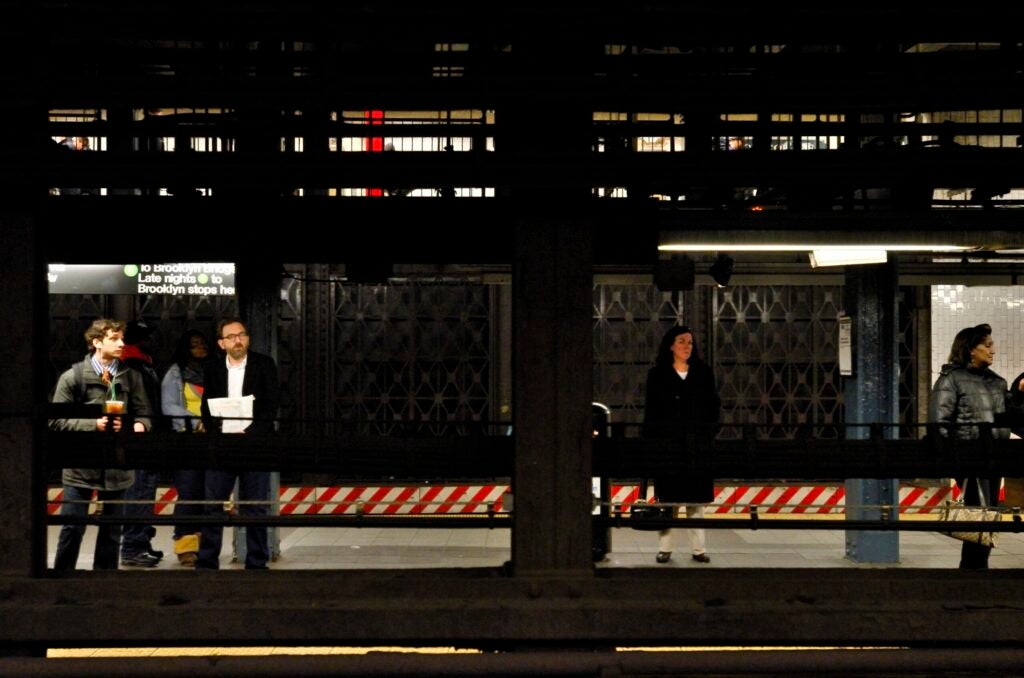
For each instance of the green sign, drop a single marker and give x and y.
(204, 279)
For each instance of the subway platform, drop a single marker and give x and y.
(741, 547)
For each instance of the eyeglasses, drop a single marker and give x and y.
(233, 337)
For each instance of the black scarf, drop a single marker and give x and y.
(192, 373)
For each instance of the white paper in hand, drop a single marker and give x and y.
(233, 407)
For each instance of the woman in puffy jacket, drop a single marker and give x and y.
(968, 392)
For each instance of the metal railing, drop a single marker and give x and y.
(473, 451)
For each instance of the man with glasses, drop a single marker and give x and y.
(240, 373)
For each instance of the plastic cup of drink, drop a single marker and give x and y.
(113, 407)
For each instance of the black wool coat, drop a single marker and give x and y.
(260, 381)
(672, 408)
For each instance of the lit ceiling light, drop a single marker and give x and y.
(710, 246)
(847, 256)
(770, 240)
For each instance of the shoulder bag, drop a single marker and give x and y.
(955, 511)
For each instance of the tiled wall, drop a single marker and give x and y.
(955, 307)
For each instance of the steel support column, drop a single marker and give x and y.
(872, 396)
(552, 358)
(552, 302)
(23, 280)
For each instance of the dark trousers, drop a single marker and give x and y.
(191, 486)
(137, 538)
(975, 556)
(252, 486)
(108, 539)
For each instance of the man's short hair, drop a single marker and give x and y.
(99, 329)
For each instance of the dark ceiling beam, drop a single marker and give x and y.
(661, 20)
(471, 231)
(866, 167)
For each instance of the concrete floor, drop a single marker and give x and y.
(375, 547)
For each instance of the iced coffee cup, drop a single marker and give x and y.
(113, 407)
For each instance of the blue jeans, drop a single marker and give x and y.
(191, 486)
(137, 538)
(252, 485)
(107, 539)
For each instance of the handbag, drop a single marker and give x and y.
(956, 511)
(642, 512)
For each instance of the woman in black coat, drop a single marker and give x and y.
(682, 398)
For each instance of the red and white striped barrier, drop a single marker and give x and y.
(478, 499)
(164, 506)
(393, 500)
(805, 499)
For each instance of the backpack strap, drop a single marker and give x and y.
(78, 387)
(80, 380)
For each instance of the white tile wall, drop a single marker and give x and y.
(955, 307)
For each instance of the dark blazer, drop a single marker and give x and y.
(260, 381)
(672, 407)
(1015, 410)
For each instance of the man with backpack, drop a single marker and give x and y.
(100, 379)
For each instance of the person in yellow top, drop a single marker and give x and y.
(181, 396)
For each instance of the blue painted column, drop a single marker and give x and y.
(871, 395)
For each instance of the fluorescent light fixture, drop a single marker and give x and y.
(847, 256)
(710, 246)
(772, 240)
